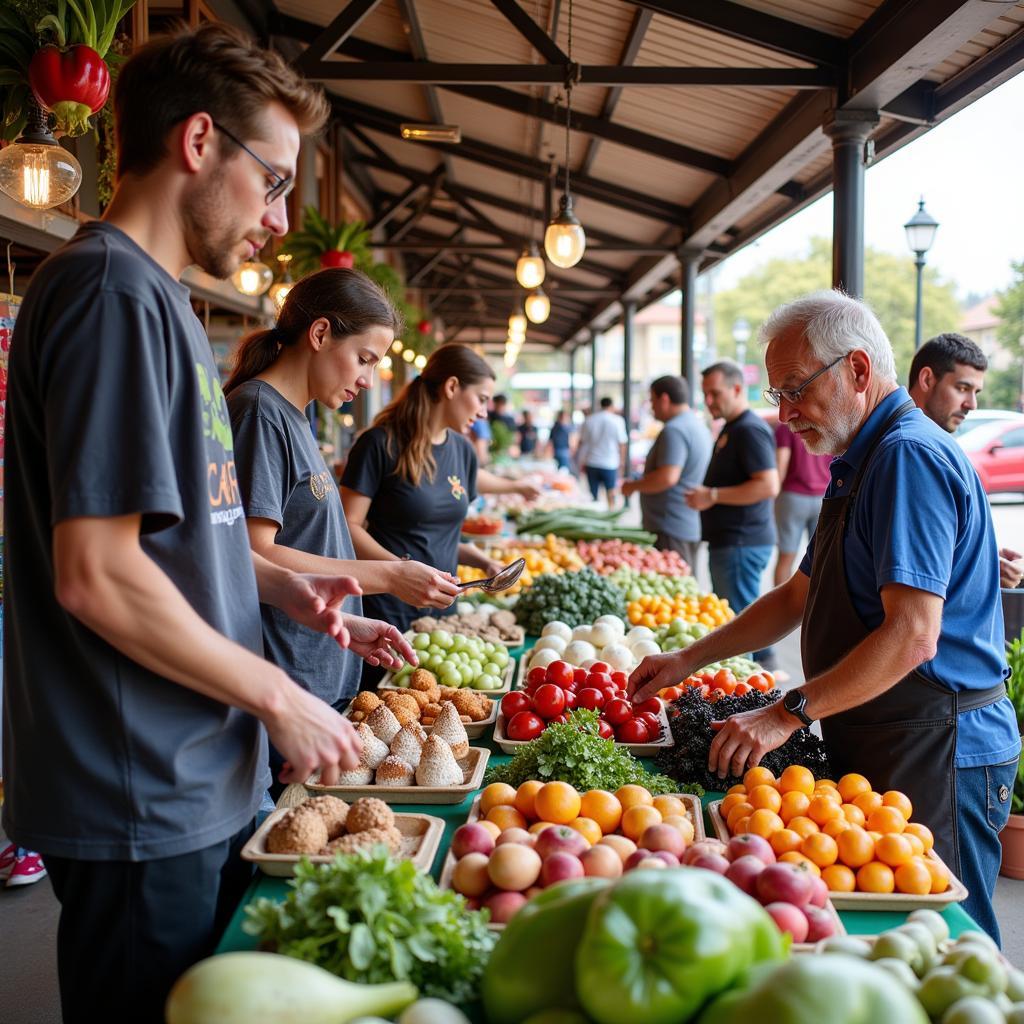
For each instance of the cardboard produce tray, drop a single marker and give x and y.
(507, 676)
(474, 730)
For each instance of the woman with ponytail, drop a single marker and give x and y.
(411, 477)
(334, 327)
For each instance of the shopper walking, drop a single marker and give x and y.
(134, 686)
(602, 450)
(559, 440)
(676, 463)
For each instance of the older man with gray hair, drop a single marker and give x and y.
(897, 596)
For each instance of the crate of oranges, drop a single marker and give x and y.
(653, 610)
(864, 844)
(518, 841)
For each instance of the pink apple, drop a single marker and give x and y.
(471, 838)
(703, 846)
(789, 919)
(663, 837)
(652, 862)
(560, 839)
(636, 857)
(516, 835)
(559, 866)
(819, 892)
(710, 862)
(743, 872)
(785, 883)
(670, 859)
(601, 862)
(821, 924)
(754, 846)
(504, 905)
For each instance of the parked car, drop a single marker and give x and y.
(996, 451)
(982, 417)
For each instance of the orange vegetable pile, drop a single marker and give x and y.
(714, 685)
(657, 610)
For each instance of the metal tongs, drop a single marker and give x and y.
(500, 581)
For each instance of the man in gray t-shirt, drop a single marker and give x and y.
(676, 462)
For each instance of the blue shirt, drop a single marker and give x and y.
(922, 519)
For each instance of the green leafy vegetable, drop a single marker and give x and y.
(576, 598)
(369, 918)
(574, 752)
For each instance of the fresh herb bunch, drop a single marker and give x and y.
(575, 752)
(690, 718)
(576, 598)
(369, 918)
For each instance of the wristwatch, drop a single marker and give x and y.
(794, 702)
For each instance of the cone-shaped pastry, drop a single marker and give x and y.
(438, 766)
(383, 723)
(393, 771)
(450, 728)
(407, 745)
(374, 750)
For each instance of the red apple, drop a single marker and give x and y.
(785, 883)
(504, 905)
(704, 846)
(663, 837)
(790, 919)
(635, 858)
(601, 862)
(471, 838)
(557, 867)
(743, 872)
(560, 839)
(819, 892)
(750, 845)
(710, 862)
(515, 835)
(670, 859)
(820, 923)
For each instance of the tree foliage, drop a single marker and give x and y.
(889, 288)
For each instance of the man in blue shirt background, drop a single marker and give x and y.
(898, 599)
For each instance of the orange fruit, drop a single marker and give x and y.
(828, 792)
(738, 788)
(730, 802)
(796, 857)
(766, 797)
(797, 777)
(886, 819)
(602, 807)
(505, 816)
(939, 873)
(826, 782)
(794, 803)
(758, 776)
(539, 826)
(743, 810)
(495, 795)
(875, 836)
(785, 841)
(876, 877)
(894, 850)
(491, 827)
(682, 824)
(637, 818)
(802, 826)
(588, 828)
(633, 795)
(894, 798)
(742, 826)
(853, 814)
(526, 794)
(835, 826)
(821, 849)
(839, 878)
(823, 809)
(867, 802)
(764, 823)
(923, 832)
(914, 877)
(558, 802)
(856, 847)
(851, 786)
(915, 843)
(669, 805)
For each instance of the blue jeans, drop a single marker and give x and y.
(982, 805)
(598, 477)
(736, 575)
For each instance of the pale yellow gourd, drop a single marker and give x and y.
(266, 988)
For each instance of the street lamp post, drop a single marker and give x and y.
(920, 231)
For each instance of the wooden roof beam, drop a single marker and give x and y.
(532, 32)
(335, 34)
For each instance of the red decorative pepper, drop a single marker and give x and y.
(73, 83)
(338, 258)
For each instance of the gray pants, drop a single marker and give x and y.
(687, 548)
(795, 514)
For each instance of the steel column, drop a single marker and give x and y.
(593, 372)
(689, 261)
(572, 385)
(628, 316)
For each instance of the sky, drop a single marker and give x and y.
(970, 171)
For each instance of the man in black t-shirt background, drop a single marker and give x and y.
(735, 500)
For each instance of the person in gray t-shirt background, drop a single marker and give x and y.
(675, 464)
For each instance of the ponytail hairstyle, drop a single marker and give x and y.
(407, 419)
(349, 301)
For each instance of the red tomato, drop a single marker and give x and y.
(514, 702)
(599, 679)
(549, 700)
(653, 723)
(601, 666)
(579, 676)
(618, 711)
(590, 697)
(758, 682)
(705, 691)
(620, 679)
(670, 693)
(560, 673)
(652, 704)
(571, 700)
(606, 731)
(622, 695)
(561, 719)
(633, 731)
(536, 676)
(741, 690)
(717, 694)
(525, 726)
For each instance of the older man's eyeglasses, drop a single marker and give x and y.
(774, 396)
(281, 186)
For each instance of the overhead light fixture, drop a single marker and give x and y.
(564, 239)
(396, 346)
(431, 132)
(517, 324)
(537, 306)
(420, 361)
(385, 363)
(35, 170)
(279, 289)
(408, 355)
(252, 277)
(530, 267)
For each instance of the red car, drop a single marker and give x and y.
(996, 451)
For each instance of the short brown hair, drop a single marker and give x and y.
(214, 68)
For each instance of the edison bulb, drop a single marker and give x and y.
(252, 277)
(39, 175)
(565, 240)
(537, 306)
(530, 268)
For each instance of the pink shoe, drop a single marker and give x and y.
(8, 856)
(28, 868)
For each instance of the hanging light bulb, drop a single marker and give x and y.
(35, 170)
(530, 267)
(396, 346)
(537, 306)
(408, 355)
(517, 324)
(420, 361)
(385, 363)
(252, 277)
(279, 289)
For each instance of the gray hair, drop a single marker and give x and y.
(834, 324)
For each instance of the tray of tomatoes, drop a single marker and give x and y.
(714, 684)
(545, 695)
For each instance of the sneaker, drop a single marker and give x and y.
(8, 856)
(28, 868)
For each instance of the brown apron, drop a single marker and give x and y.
(904, 738)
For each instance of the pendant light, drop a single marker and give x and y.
(564, 239)
(252, 277)
(36, 170)
(408, 355)
(279, 289)
(420, 361)
(537, 306)
(530, 267)
(517, 324)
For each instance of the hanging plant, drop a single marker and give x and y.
(318, 244)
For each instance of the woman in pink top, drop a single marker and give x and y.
(803, 477)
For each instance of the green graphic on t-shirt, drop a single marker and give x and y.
(216, 424)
